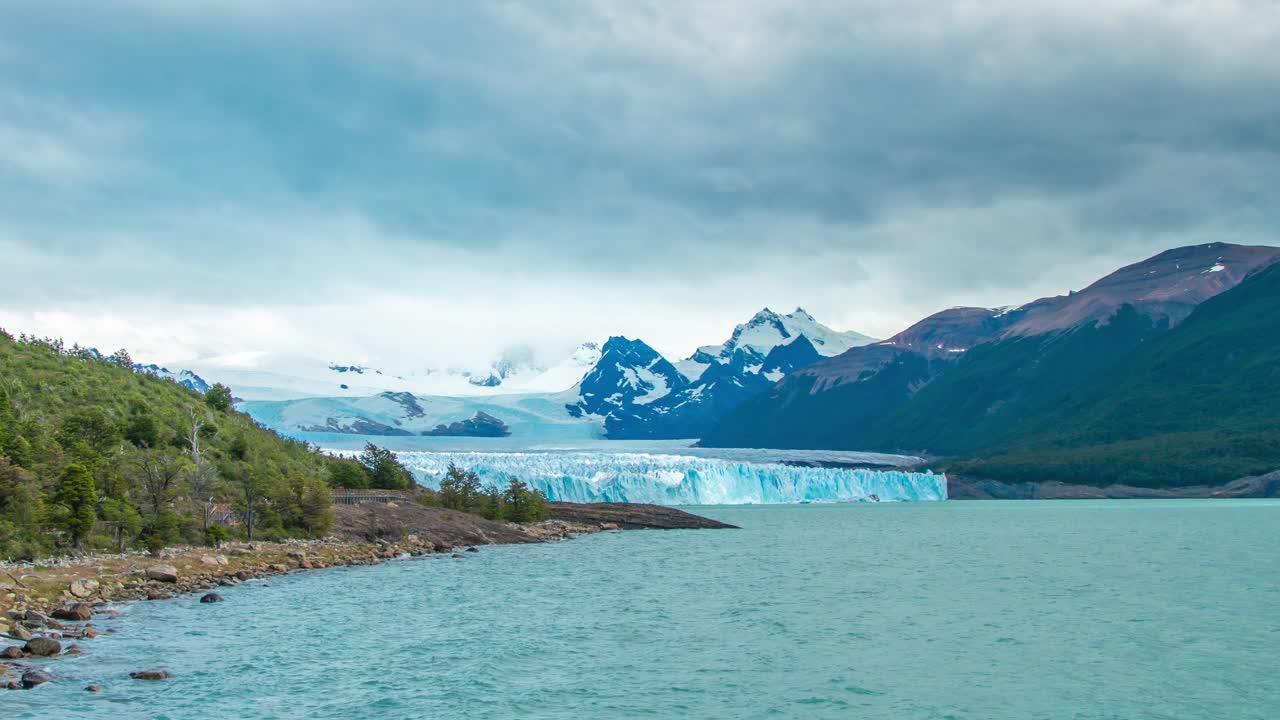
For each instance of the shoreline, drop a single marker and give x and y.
(58, 599)
(960, 487)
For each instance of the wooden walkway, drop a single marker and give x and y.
(343, 496)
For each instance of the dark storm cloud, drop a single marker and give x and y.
(911, 154)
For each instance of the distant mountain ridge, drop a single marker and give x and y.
(641, 395)
(1198, 405)
(960, 376)
(185, 378)
(623, 389)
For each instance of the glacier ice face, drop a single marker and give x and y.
(676, 479)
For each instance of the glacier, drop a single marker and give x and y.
(663, 479)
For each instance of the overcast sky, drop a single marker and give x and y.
(422, 183)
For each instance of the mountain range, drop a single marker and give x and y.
(641, 395)
(623, 389)
(1159, 374)
(968, 383)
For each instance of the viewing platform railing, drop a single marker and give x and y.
(343, 496)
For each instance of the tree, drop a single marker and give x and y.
(523, 505)
(141, 430)
(251, 498)
(239, 447)
(77, 494)
(92, 427)
(198, 422)
(21, 506)
(385, 470)
(159, 473)
(347, 474)
(218, 397)
(310, 506)
(491, 507)
(203, 481)
(124, 517)
(122, 358)
(461, 490)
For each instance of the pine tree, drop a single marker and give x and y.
(76, 492)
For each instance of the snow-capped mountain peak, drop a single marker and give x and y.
(767, 330)
(186, 378)
(628, 372)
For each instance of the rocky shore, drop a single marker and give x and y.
(967, 488)
(632, 516)
(47, 608)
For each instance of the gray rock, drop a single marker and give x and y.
(78, 612)
(13, 652)
(162, 573)
(211, 598)
(93, 688)
(150, 675)
(84, 587)
(33, 619)
(32, 678)
(42, 647)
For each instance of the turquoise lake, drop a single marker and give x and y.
(982, 610)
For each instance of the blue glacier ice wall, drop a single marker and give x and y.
(677, 480)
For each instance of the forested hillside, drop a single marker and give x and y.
(1197, 405)
(1164, 373)
(94, 455)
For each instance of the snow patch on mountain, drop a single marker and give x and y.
(560, 376)
(531, 416)
(185, 378)
(767, 330)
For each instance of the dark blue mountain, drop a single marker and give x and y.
(629, 373)
(691, 411)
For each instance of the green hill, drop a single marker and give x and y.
(95, 455)
(1199, 404)
(992, 389)
(960, 403)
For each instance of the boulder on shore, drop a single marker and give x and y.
(162, 573)
(42, 647)
(78, 612)
(150, 675)
(83, 587)
(32, 678)
(13, 652)
(33, 619)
